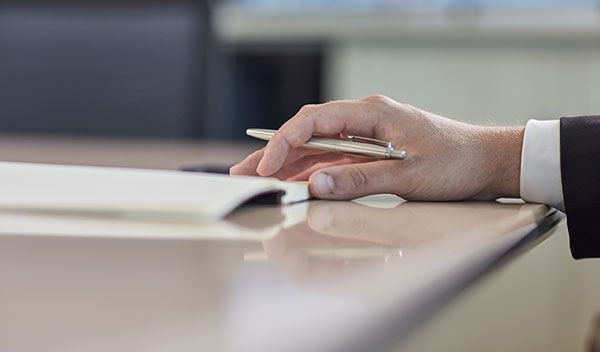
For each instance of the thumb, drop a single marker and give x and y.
(352, 180)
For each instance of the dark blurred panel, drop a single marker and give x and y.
(104, 69)
(261, 86)
(143, 68)
(272, 87)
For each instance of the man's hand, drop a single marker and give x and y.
(447, 160)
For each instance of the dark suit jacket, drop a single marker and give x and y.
(580, 169)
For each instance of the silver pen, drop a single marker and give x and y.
(353, 145)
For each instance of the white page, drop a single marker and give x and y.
(133, 192)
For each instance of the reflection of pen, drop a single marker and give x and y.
(339, 253)
(356, 253)
(354, 145)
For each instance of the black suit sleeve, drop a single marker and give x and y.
(580, 172)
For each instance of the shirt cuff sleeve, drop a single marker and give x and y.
(540, 164)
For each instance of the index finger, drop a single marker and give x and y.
(351, 117)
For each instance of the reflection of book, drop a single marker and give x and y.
(246, 224)
(136, 193)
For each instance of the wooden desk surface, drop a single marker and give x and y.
(316, 276)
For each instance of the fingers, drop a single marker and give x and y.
(307, 165)
(356, 117)
(356, 180)
(304, 175)
(301, 161)
(248, 165)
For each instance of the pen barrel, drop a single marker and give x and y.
(383, 150)
(354, 148)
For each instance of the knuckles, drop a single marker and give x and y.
(358, 180)
(307, 109)
(378, 99)
(386, 106)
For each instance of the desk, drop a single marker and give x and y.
(316, 276)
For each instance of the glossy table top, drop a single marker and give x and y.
(314, 276)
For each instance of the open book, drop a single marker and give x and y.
(136, 193)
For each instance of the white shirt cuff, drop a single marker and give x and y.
(540, 164)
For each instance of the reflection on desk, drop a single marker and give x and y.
(315, 276)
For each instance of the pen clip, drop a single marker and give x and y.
(374, 141)
(389, 152)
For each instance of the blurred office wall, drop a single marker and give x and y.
(142, 68)
(210, 69)
(102, 68)
(482, 61)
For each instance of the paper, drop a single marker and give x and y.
(136, 193)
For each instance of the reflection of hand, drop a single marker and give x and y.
(339, 238)
(447, 160)
(407, 224)
(292, 252)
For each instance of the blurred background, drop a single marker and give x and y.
(207, 69)
(143, 68)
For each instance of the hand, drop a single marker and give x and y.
(447, 160)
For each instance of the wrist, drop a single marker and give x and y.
(501, 152)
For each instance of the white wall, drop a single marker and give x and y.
(504, 81)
